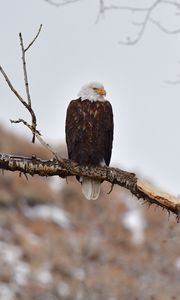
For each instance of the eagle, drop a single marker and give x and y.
(89, 133)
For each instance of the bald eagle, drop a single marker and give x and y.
(89, 133)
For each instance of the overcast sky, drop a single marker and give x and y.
(71, 51)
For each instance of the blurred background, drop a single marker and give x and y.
(54, 244)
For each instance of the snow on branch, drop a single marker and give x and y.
(64, 167)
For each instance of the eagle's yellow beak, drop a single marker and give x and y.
(101, 92)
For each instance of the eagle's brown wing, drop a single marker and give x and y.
(108, 131)
(73, 130)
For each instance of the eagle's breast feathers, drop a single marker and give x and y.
(89, 131)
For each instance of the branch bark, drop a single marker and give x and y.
(130, 181)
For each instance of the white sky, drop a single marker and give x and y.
(71, 51)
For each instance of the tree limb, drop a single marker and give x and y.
(130, 181)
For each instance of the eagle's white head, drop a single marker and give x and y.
(93, 91)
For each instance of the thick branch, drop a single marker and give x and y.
(139, 188)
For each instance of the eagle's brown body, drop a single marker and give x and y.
(89, 132)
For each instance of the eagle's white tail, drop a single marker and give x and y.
(90, 188)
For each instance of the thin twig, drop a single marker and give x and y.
(174, 3)
(39, 138)
(19, 96)
(13, 88)
(25, 70)
(164, 29)
(26, 49)
(101, 10)
(23, 49)
(148, 11)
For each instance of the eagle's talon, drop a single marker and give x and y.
(111, 189)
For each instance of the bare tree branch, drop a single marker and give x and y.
(36, 133)
(33, 116)
(27, 104)
(139, 188)
(143, 24)
(12, 87)
(39, 138)
(166, 30)
(135, 10)
(25, 71)
(147, 11)
(40, 27)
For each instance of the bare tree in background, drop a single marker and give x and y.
(142, 15)
(163, 14)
